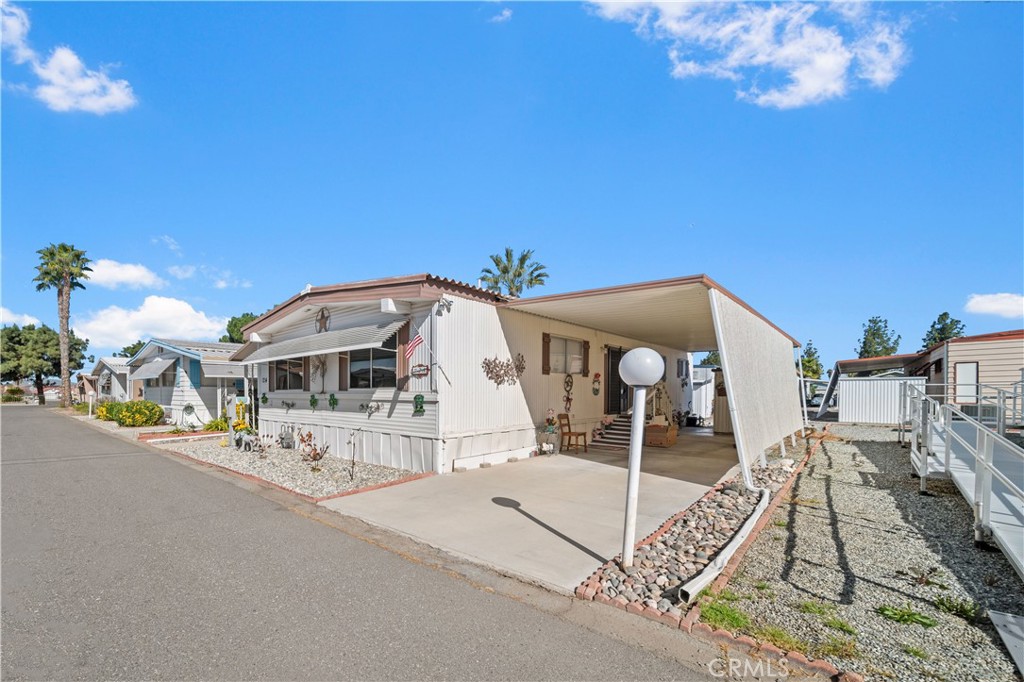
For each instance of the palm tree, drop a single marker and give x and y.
(514, 274)
(62, 267)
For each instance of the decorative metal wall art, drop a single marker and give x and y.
(504, 371)
(322, 321)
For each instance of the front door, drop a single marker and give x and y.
(617, 394)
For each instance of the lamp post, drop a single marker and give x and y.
(640, 368)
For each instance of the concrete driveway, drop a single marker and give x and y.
(547, 520)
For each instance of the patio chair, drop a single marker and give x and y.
(570, 438)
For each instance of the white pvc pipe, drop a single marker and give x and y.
(636, 442)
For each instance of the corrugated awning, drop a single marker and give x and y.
(223, 370)
(152, 369)
(353, 338)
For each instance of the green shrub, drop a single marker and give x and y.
(140, 413)
(108, 411)
(216, 425)
(11, 398)
(16, 391)
(81, 408)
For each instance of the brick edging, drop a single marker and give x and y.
(690, 623)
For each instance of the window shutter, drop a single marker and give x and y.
(586, 358)
(272, 370)
(545, 362)
(342, 372)
(195, 373)
(305, 373)
(402, 364)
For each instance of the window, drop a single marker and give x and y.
(288, 374)
(565, 356)
(374, 367)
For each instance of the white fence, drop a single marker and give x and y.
(987, 468)
(872, 400)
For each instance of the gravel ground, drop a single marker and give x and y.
(692, 541)
(287, 469)
(849, 540)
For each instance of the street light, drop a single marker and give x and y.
(640, 368)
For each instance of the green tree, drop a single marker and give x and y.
(130, 350)
(512, 274)
(942, 329)
(878, 340)
(711, 359)
(811, 362)
(63, 267)
(35, 353)
(235, 325)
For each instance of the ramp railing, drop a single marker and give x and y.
(986, 467)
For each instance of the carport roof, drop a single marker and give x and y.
(669, 312)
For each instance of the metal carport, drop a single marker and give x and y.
(697, 314)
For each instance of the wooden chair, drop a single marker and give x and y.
(570, 438)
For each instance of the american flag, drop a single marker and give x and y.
(412, 346)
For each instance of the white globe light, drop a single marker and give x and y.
(641, 367)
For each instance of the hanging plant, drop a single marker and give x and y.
(313, 401)
(263, 399)
(332, 401)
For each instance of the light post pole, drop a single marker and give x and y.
(640, 368)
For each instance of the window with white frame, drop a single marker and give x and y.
(566, 356)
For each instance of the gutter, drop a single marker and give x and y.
(688, 591)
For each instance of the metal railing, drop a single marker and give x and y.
(935, 430)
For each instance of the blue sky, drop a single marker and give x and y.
(827, 163)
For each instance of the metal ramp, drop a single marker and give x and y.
(986, 468)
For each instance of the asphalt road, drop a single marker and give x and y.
(119, 562)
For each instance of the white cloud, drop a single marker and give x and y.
(501, 17)
(782, 56)
(182, 271)
(1003, 305)
(158, 316)
(8, 317)
(168, 241)
(224, 279)
(66, 84)
(110, 274)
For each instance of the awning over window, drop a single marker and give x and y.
(353, 338)
(152, 369)
(223, 370)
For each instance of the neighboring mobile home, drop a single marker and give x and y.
(429, 374)
(957, 371)
(189, 379)
(110, 381)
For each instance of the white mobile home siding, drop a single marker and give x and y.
(999, 361)
(393, 436)
(872, 401)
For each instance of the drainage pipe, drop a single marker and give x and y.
(689, 590)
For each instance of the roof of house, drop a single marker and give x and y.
(118, 365)
(212, 350)
(422, 285)
(604, 308)
(979, 338)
